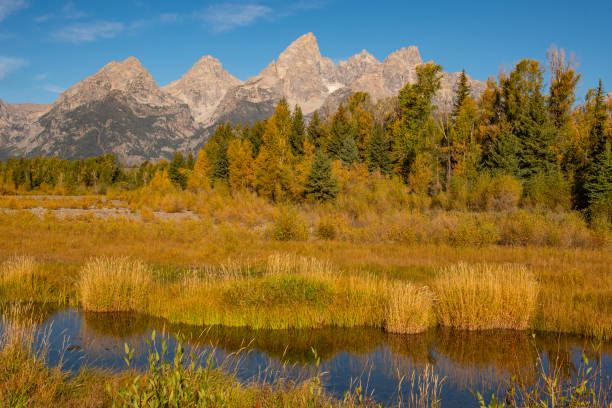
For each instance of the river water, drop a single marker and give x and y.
(378, 362)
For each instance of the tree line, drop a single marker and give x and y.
(559, 152)
(519, 131)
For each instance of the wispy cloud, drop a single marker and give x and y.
(10, 6)
(53, 88)
(43, 18)
(226, 17)
(70, 12)
(67, 12)
(87, 32)
(164, 18)
(10, 64)
(40, 77)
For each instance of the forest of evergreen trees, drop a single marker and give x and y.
(518, 136)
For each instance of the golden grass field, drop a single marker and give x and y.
(206, 271)
(252, 264)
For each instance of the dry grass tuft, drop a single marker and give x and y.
(284, 263)
(410, 308)
(114, 284)
(485, 296)
(18, 268)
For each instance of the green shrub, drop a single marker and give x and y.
(326, 229)
(289, 226)
(278, 290)
(548, 190)
(475, 232)
(459, 193)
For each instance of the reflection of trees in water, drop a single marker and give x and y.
(563, 352)
(291, 346)
(103, 335)
(120, 324)
(485, 358)
(467, 359)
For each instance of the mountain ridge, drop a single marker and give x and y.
(122, 110)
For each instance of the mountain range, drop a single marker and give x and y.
(122, 110)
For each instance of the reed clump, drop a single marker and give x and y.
(18, 270)
(21, 279)
(114, 284)
(410, 308)
(486, 296)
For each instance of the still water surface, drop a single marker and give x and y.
(478, 361)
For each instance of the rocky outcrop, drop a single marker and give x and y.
(18, 126)
(202, 88)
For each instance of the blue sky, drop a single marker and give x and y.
(48, 45)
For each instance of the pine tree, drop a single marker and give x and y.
(361, 121)
(415, 103)
(175, 173)
(212, 158)
(599, 118)
(321, 185)
(349, 153)
(526, 112)
(190, 161)
(316, 133)
(298, 132)
(503, 155)
(340, 130)
(255, 136)
(379, 151)
(462, 91)
(598, 186)
(598, 177)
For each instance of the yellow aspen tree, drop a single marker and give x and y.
(240, 158)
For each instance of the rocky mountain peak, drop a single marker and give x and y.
(354, 67)
(302, 51)
(202, 87)
(127, 76)
(307, 42)
(207, 64)
(408, 57)
(122, 73)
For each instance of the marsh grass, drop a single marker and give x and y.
(22, 279)
(115, 284)
(18, 274)
(288, 291)
(190, 261)
(410, 308)
(588, 385)
(424, 389)
(486, 296)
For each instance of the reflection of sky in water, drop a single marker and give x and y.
(349, 357)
